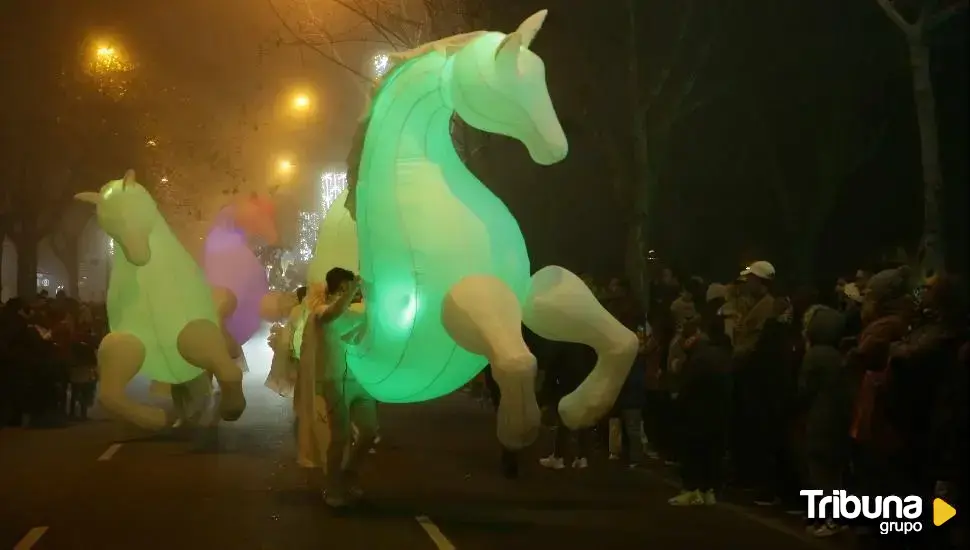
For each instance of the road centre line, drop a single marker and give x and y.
(30, 539)
(437, 537)
(110, 452)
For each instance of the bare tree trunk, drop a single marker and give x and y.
(931, 16)
(639, 237)
(65, 247)
(26, 243)
(933, 247)
(3, 240)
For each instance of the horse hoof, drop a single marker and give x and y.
(233, 402)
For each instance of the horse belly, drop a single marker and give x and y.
(163, 362)
(239, 271)
(411, 255)
(156, 311)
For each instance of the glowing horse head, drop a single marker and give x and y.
(496, 84)
(128, 214)
(499, 86)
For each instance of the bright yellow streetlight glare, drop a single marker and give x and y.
(108, 65)
(285, 166)
(301, 102)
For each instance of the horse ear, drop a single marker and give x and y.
(507, 54)
(531, 26)
(129, 178)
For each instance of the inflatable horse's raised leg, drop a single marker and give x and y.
(561, 307)
(226, 304)
(483, 315)
(195, 346)
(120, 357)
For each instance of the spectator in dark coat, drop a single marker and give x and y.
(823, 391)
(570, 364)
(705, 403)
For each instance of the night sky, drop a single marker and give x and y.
(775, 83)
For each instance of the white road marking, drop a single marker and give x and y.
(30, 539)
(437, 537)
(110, 452)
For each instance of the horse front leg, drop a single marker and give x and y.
(482, 315)
(561, 307)
(202, 343)
(120, 357)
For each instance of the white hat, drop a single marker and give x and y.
(760, 269)
(715, 291)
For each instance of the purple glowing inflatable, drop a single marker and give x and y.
(237, 277)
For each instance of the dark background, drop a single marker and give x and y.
(797, 143)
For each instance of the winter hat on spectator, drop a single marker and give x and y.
(760, 269)
(889, 284)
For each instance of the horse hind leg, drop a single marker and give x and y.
(226, 304)
(120, 357)
(483, 316)
(199, 344)
(561, 307)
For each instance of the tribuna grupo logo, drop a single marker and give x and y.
(895, 514)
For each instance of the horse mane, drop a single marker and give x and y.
(445, 46)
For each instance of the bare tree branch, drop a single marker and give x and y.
(944, 15)
(658, 88)
(298, 37)
(890, 8)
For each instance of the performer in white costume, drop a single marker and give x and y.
(339, 402)
(283, 370)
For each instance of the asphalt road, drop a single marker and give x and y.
(434, 483)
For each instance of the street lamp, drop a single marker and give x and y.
(110, 68)
(285, 167)
(108, 60)
(301, 103)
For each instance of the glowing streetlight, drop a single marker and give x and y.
(301, 103)
(108, 65)
(108, 59)
(285, 167)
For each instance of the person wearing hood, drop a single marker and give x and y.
(823, 395)
(886, 311)
(704, 404)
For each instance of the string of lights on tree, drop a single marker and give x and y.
(332, 184)
(381, 63)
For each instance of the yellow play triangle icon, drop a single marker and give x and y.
(942, 512)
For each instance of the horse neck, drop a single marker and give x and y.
(166, 249)
(412, 108)
(224, 230)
